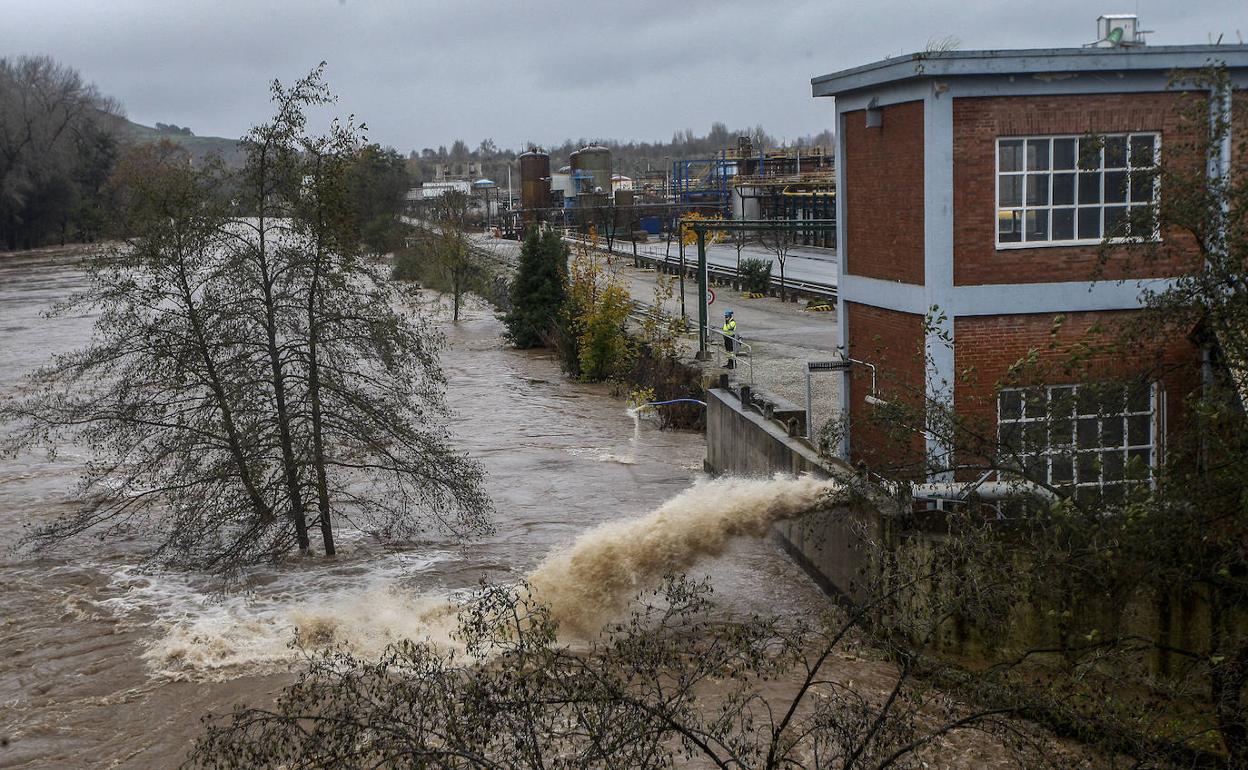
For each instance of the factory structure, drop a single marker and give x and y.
(735, 183)
(741, 182)
(984, 183)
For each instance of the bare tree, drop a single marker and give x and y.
(670, 686)
(453, 252)
(244, 366)
(779, 240)
(57, 144)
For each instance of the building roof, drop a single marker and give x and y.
(1035, 61)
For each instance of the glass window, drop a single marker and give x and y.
(1062, 190)
(1095, 440)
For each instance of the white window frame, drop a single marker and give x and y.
(1023, 173)
(1155, 446)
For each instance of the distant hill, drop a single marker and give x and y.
(200, 147)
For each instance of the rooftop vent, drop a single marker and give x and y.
(1118, 30)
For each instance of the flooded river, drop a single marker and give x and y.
(104, 665)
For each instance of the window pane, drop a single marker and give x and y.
(1010, 226)
(1061, 432)
(1112, 463)
(1090, 187)
(1038, 225)
(1090, 223)
(1111, 431)
(1035, 436)
(1011, 402)
(1142, 151)
(1063, 470)
(1011, 190)
(1115, 152)
(1139, 397)
(1089, 153)
(1138, 432)
(1088, 495)
(1115, 221)
(1011, 437)
(1062, 401)
(1037, 189)
(1089, 467)
(1141, 186)
(1036, 402)
(1088, 435)
(1011, 154)
(1037, 154)
(1088, 401)
(1139, 462)
(1143, 220)
(1063, 153)
(1063, 224)
(1063, 189)
(1115, 186)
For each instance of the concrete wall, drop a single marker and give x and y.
(834, 547)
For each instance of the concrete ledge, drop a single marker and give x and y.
(835, 548)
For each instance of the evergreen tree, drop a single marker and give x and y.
(538, 290)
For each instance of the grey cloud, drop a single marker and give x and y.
(422, 73)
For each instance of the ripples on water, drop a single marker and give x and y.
(106, 664)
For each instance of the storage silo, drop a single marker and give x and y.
(534, 184)
(591, 167)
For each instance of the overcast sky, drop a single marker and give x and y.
(423, 73)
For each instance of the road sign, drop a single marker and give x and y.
(711, 301)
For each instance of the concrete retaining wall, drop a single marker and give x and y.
(832, 546)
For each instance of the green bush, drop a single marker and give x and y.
(539, 289)
(755, 275)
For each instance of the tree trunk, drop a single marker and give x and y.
(298, 512)
(314, 393)
(263, 512)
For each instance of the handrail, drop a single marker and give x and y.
(728, 272)
(737, 345)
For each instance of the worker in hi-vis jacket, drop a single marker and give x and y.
(730, 338)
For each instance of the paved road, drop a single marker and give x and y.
(802, 264)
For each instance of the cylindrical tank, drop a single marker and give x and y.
(534, 184)
(591, 166)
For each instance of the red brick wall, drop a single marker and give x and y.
(986, 347)
(893, 342)
(883, 194)
(978, 122)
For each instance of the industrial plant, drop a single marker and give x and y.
(744, 182)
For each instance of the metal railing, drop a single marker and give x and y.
(741, 350)
(728, 273)
(644, 311)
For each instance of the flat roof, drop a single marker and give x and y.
(946, 64)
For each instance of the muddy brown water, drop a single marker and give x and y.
(105, 665)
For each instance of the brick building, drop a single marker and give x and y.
(981, 183)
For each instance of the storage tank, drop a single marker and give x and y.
(591, 167)
(534, 184)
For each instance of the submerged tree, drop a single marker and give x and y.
(247, 370)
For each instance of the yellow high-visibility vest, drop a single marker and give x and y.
(730, 327)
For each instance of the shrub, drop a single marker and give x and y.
(755, 275)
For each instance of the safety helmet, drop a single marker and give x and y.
(727, 313)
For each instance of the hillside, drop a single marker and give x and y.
(200, 147)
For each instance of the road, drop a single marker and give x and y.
(803, 263)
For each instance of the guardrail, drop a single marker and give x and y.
(654, 256)
(643, 311)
